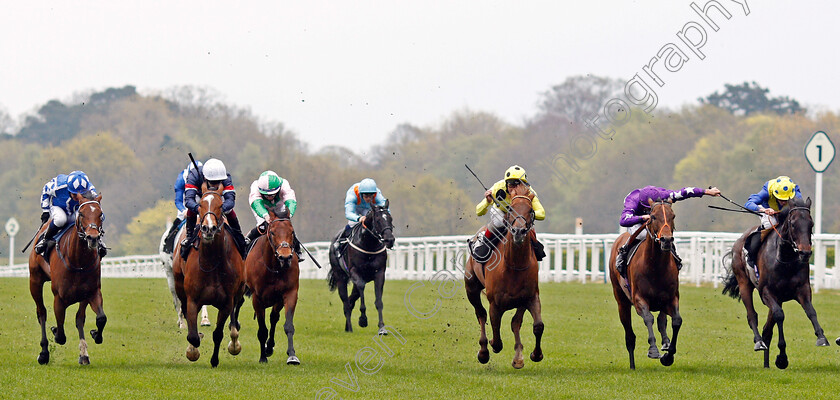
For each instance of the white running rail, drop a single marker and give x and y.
(578, 258)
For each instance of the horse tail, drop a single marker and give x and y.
(730, 282)
(332, 280)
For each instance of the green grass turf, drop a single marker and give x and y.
(143, 352)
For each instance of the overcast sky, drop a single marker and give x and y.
(347, 72)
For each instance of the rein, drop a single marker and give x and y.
(376, 235)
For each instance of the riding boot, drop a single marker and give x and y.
(676, 257)
(341, 242)
(621, 259)
(539, 249)
(233, 221)
(188, 237)
(253, 234)
(751, 245)
(485, 244)
(298, 250)
(47, 240)
(169, 242)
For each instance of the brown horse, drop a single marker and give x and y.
(213, 274)
(73, 267)
(511, 280)
(784, 274)
(653, 284)
(272, 274)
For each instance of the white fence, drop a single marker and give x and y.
(579, 258)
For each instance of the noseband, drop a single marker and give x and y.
(82, 231)
(283, 245)
(658, 237)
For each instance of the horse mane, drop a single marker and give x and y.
(793, 203)
(279, 211)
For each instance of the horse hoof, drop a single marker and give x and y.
(234, 348)
(200, 335)
(269, 351)
(654, 353)
(293, 361)
(837, 341)
(214, 362)
(97, 338)
(760, 346)
(483, 356)
(60, 338)
(496, 348)
(84, 360)
(205, 322)
(822, 342)
(44, 358)
(518, 364)
(665, 347)
(193, 354)
(667, 359)
(383, 332)
(536, 357)
(263, 360)
(363, 321)
(781, 362)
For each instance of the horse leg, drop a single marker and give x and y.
(662, 325)
(101, 319)
(676, 322)
(746, 292)
(58, 331)
(205, 318)
(804, 299)
(274, 317)
(170, 281)
(219, 332)
(290, 302)
(84, 359)
(643, 309)
(474, 296)
(262, 330)
(345, 300)
(378, 288)
(629, 337)
(495, 326)
(36, 289)
(536, 313)
(360, 287)
(192, 329)
(348, 308)
(515, 325)
(234, 347)
(781, 359)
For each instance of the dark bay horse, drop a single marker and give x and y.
(653, 284)
(784, 274)
(213, 274)
(511, 279)
(272, 274)
(366, 260)
(74, 269)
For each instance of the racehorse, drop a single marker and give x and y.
(74, 269)
(783, 275)
(213, 274)
(166, 260)
(511, 280)
(652, 284)
(272, 274)
(365, 261)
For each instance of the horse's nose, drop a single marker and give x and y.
(805, 254)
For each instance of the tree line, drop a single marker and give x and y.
(132, 146)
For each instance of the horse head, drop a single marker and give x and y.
(89, 221)
(210, 211)
(797, 227)
(382, 225)
(281, 236)
(661, 224)
(520, 217)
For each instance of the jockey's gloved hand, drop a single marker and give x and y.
(45, 216)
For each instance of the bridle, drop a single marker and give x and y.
(378, 235)
(82, 232)
(517, 216)
(275, 248)
(786, 228)
(218, 217)
(658, 237)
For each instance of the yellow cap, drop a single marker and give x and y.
(782, 188)
(516, 173)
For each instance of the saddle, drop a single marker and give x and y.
(51, 244)
(238, 240)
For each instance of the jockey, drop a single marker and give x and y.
(214, 172)
(360, 198)
(637, 212)
(60, 200)
(773, 196)
(496, 229)
(270, 191)
(179, 188)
